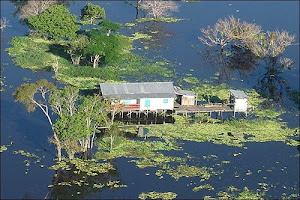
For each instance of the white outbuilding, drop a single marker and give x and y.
(239, 100)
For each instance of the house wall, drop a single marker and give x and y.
(187, 100)
(240, 105)
(157, 104)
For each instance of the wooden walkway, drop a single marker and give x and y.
(179, 109)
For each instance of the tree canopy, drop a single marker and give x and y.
(91, 12)
(76, 47)
(55, 22)
(109, 26)
(112, 48)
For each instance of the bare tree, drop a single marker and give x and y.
(227, 30)
(159, 8)
(4, 23)
(286, 63)
(272, 44)
(32, 7)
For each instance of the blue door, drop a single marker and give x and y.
(147, 103)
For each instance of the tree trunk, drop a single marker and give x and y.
(111, 142)
(95, 61)
(58, 146)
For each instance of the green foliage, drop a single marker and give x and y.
(77, 44)
(72, 127)
(55, 22)
(158, 195)
(91, 12)
(207, 92)
(109, 25)
(113, 48)
(26, 93)
(191, 80)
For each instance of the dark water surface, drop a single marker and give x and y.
(29, 131)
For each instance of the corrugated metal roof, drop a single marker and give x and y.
(179, 91)
(238, 94)
(137, 90)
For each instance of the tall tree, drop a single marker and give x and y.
(112, 48)
(159, 8)
(27, 94)
(55, 22)
(76, 48)
(91, 13)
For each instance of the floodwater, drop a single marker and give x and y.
(273, 162)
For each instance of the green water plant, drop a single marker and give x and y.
(158, 195)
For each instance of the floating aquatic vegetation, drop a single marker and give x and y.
(259, 130)
(158, 195)
(137, 36)
(90, 167)
(168, 20)
(115, 184)
(27, 163)
(187, 171)
(99, 185)
(157, 160)
(244, 194)
(201, 187)
(124, 147)
(3, 148)
(248, 172)
(27, 154)
(129, 24)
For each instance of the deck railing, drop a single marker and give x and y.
(131, 107)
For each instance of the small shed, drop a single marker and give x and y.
(185, 97)
(239, 100)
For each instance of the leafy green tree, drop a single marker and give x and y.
(80, 118)
(109, 26)
(76, 48)
(28, 93)
(112, 48)
(91, 12)
(55, 22)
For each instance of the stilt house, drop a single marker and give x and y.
(152, 96)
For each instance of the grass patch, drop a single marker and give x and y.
(39, 54)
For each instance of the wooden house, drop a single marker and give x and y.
(152, 96)
(185, 97)
(239, 100)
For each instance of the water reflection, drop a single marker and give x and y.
(69, 184)
(238, 59)
(158, 32)
(271, 84)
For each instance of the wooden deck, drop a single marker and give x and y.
(179, 109)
